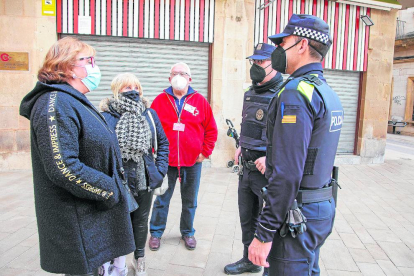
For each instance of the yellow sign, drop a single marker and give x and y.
(49, 7)
(14, 61)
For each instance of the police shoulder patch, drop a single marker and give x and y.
(337, 117)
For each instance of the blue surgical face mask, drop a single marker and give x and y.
(92, 80)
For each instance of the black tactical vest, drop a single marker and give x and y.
(254, 121)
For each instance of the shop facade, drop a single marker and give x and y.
(214, 37)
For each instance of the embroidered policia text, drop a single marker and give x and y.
(54, 141)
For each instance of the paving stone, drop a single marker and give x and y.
(362, 234)
(376, 252)
(406, 271)
(11, 254)
(383, 235)
(342, 273)
(28, 260)
(237, 251)
(342, 226)
(160, 259)
(226, 229)
(370, 269)
(336, 256)
(351, 240)
(181, 270)
(389, 268)
(196, 258)
(361, 255)
(222, 244)
(399, 254)
(216, 263)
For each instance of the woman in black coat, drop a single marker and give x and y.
(144, 148)
(82, 217)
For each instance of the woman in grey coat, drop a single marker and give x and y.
(82, 217)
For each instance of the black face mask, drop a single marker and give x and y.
(279, 59)
(258, 73)
(133, 95)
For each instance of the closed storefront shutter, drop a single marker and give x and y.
(150, 60)
(346, 85)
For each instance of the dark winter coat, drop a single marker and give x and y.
(81, 213)
(155, 170)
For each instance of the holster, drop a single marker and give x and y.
(250, 165)
(335, 184)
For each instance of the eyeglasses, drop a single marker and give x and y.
(257, 61)
(182, 74)
(90, 59)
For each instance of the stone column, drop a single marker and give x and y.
(376, 88)
(233, 42)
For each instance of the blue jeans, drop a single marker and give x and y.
(190, 183)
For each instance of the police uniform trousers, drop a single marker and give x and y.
(299, 256)
(250, 204)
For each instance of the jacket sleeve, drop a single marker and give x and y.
(57, 134)
(163, 145)
(288, 151)
(210, 131)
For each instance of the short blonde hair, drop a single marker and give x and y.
(187, 68)
(60, 59)
(123, 80)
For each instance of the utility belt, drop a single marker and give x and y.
(313, 196)
(295, 222)
(250, 165)
(309, 196)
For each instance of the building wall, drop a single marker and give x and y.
(407, 16)
(376, 88)
(401, 72)
(22, 29)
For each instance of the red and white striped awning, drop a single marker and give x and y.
(350, 35)
(188, 20)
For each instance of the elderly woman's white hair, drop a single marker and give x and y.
(187, 68)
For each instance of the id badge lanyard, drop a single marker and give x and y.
(178, 126)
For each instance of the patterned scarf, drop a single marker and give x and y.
(133, 132)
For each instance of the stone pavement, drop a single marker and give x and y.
(372, 234)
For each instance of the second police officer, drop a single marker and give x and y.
(265, 83)
(304, 124)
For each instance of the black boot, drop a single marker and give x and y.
(242, 266)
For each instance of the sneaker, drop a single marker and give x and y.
(190, 242)
(242, 266)
(154, 243)
(139, 266)
(115, 271)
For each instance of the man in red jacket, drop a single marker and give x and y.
(190, 127)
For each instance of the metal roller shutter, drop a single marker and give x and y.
(346, 85)
(149, 59)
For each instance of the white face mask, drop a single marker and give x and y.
(179, 82)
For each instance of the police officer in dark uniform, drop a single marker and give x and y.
(304, 124)
(265, 83)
